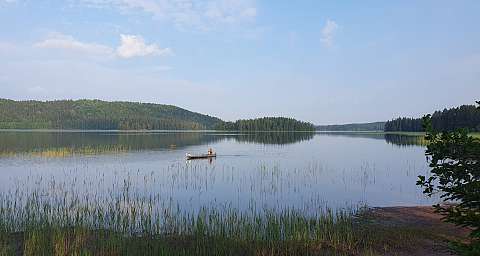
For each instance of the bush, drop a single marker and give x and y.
(454, 159)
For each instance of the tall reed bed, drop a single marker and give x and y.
(56, 220)
(68, 151)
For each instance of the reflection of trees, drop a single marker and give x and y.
(98, 142)
(390, 138)
(378, 136)
(405, 140)
(66, 143)
(278, 138)
(24, 142)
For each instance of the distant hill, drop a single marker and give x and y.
(376, 126)
(101, 115)
(104, 115)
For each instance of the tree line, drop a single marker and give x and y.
(465, 116)
(104, 115)
(376, 126)
(266, 124)
(99, 115)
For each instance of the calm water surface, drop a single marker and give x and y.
(262, 170)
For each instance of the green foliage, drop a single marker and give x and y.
(467, 250)
(102, 115)
(404, 124)
(266, 124)
(454, 159)
(465, 116)
(99, 115)
(376, 126)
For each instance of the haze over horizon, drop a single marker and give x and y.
(327, 63)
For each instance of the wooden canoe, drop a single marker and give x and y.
(204, 156)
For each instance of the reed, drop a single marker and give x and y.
(68, 151)
(55, 220)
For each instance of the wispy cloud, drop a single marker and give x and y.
(328, 32)
(66, 42)
(230, 11)
(195, 14)
(130, 46)
(134, 46)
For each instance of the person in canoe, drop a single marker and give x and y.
(210, 155)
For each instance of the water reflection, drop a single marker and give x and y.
(275, 138)
(397, 139)
(66, 143)
(259, 170)
(405, 140)
(60, 144)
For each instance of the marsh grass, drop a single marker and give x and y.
(72, 216)
(69, 151)
(56, 220)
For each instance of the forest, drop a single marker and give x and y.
(104, 115)
(99, 115)
(465, 116)
(266, 124)
(376, 126)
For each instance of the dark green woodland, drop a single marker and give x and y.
(267, 124)
(465, 116)
(376, 126)
(99, 115)
(104, 115)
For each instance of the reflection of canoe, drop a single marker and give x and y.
(204, 156)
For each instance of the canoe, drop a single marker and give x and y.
(204, 156)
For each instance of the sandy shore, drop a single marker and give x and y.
(434, 235)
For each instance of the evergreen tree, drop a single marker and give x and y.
(99, 115)
(466, 116)
(266, 124)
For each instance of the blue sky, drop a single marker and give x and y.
(320, 61)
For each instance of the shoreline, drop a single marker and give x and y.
(430, 235)
(397, 230)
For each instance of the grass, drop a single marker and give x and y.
(69, 151)
(56, 220)
(45, 222)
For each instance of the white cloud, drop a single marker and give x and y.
(202, 15)
(130, 46)
(230, 11)
(328, 32)
(134, 46)
(65, 42)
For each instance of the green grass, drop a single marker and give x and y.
(56, 220)
(69, 151)
(48, 222)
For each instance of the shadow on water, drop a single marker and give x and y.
(58, 144)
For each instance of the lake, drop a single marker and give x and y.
(269, 171)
